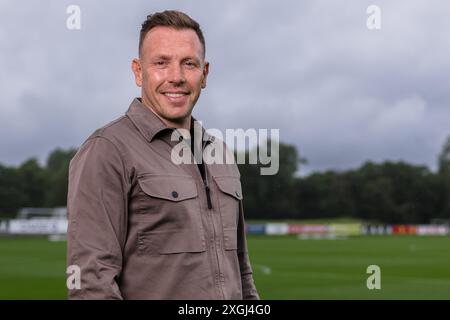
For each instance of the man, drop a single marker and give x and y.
(140, 225)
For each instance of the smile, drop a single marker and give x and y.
(175, 95)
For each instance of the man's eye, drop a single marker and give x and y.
(190, 64)
(160, 63)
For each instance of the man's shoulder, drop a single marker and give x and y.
(111, 134)
(113, 130)
(106, 138)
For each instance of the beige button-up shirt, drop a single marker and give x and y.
(144, 227)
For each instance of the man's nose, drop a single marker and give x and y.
(176, 74)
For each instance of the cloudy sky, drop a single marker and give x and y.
(341, 93)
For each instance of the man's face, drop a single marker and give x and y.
(171, 72)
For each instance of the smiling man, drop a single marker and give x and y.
(141, 226)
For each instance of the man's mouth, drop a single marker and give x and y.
(177, 98)
(175, 94)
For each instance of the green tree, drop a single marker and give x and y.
(444, 178)
(11, 195)
(271, 196)
(444, 158)
(57, 171)
(31, 177)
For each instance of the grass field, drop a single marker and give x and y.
(284, 267)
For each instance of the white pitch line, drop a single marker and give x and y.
(264, 269)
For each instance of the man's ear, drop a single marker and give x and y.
(205, 74)
(137, 70)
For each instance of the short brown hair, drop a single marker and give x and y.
(170, 18)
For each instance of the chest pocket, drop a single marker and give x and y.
(230, 196)
(170, 220)
(172, 188)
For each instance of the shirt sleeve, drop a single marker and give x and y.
(249, 291)
(97, 215)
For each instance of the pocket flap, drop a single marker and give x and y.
(173, 188)
(230, 186)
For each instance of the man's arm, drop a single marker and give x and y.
(248, 286)
(97, 213)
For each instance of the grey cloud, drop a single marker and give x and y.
(341, 93)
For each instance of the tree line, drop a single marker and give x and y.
(388, 192)
(33, 185)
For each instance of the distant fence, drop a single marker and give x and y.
(34, 226)
(58, 225)
(346, 230)
(36, 221)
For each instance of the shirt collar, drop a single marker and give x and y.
(148, 123)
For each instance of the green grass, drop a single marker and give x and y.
(32, 268)
(411, 267)
(284, 267)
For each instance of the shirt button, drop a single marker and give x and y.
(174, 194)
(180, 138)
(236, 193)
